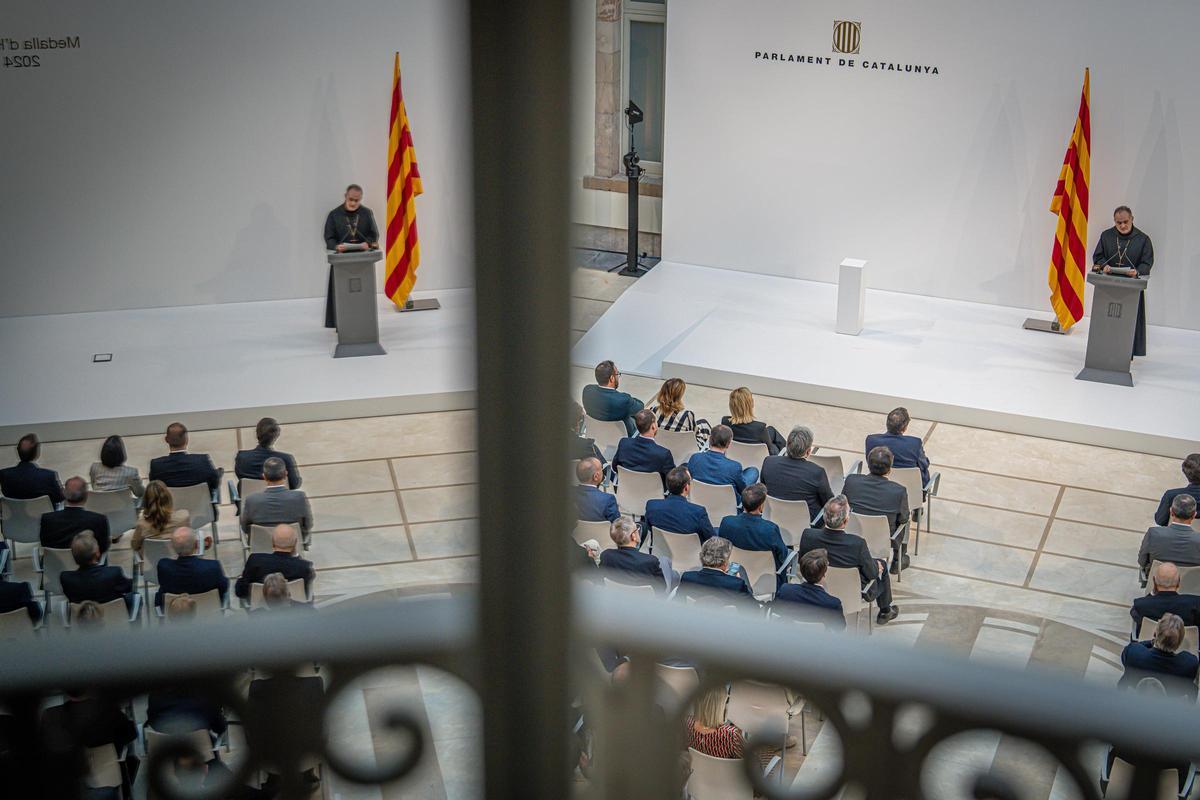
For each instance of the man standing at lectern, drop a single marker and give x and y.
(351, 223)
(1125, 250)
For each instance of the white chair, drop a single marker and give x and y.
(1118, 780)
(103, 768)
(635, 489)
(114, 612)
(791, 516)
(153, 551)
(21, 520)
(643, 590)
(748, 455)
(763, 710)
(118, 505)
(52, 563)
(1189, 578)
(682, 444)
(718, 500)
(248, 486)
(845, 584)
(920, 497)
(201, 502)
(682, 548)
(606, 434)
(259, 540)
(676, 685)
(208, 604)
(834, 469)
(877, 533)
(721, 778)
(1191, 635)
(585, 529)
(16, 624)
(760, 569)
(296, 589)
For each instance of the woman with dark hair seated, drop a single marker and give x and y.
(111, 473)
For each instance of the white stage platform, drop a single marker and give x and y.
(959, 362)
(225, 365)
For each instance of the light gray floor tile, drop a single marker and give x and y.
(441, 470)
(441, 539)
(1130, 513)
(350, 478)
(996, 490)
(380, 437)
(973, 559)
(987, 524)
(368, 546)
(355, 511)
(1092, 541)
(1085, 579)
(447, 502)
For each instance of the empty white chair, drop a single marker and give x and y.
(721, 778)
(760, 570)
(21, 520)
(763, 710)
(676, 684)
(682, 548)
(599, 531)
(682, 444)
(791, 516)
(920, 497)
(834, 470)
(606, 434)
(748, 455)
(54, 562)
(634, 489)
(198, 500)
(845, 584)
(119, 506)
(719, 500)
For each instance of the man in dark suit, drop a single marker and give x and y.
(1166, 599)
(249, 463)
(713, 466)
(850, 550)
(604, 401)
(180, 468)
(809, 600)
(749, 530)
(907, 451)
(26, 480)
(591, 504)
(1176, 542)
(281, 559)
(641, 453)
(277, 504)
(19, 595)
(627, 564)
(791, 476)
(90, 580)
(1160, 658)
(713, 580)
(873, 493)
(58, 528)
(1191, 471)
(675, 513)
(188, 573)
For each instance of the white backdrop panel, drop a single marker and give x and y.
(188, 152)
(942, 182)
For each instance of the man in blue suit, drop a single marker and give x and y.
(603, 401)
(591, 504)
(675, 513)
(188, 573)
(1191, 471)
(627, 564)
(749, 530)
(1161, 658)
(641, 453)
(809, 600)
(713, 580)
(26, 480)
(907, 451)
(713, 466)
(180, 468)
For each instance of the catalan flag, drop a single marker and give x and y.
(403, 186)
(1068, 263)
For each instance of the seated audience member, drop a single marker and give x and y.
(849, 550)
(277, 503)
(177, 710)
(89, 616)
(179, 468)
(591, 504)
(809, 600)
(605, 402)
(188, 574)
(1161, 658)
(641, 453)
(581, 446)
(1191, 471)
(713, 580)
(58, 528)
(713, 466)
(791, 476)
(627, 564)
(673, 416)
(1176, 542)
(159, 516)
(26, 480)
(249, 463)
(675, 513)
(708, 731)
(750, 530)
(1165, 599)
(91, 580)
(874, 494)
(745, 428)
(88, 721)
(14, 595)
(281, 560)
(1147, 687)
(111, 473)
(907, 451)
(277, 595)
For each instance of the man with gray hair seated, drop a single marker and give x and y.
(791, 476)
(1176, 542)
(277, 503)
(188, 573)
(627, 564)
(277, 595)
(713, 578)
(849, 550)
(1161, 658)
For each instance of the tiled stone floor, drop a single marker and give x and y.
(1029, 560)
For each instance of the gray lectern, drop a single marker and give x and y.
(1111, 329)
(354, 301)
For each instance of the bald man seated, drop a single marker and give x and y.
(1165, 599)
(188, 572)
(281, 559)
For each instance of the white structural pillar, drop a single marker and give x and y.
(852, 296)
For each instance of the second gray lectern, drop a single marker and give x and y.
(355, 304)
(1111, 329)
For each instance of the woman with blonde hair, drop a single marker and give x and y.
(745, 427)
(673, 416)
(707, 729)
(159, 515)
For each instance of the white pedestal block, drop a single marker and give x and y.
(852, 296)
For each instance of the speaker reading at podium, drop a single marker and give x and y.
(350, 226)
(1125, 250)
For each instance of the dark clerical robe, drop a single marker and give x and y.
(1128, 252)
(346, 227)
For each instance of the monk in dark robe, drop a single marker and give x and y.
(351, 223)
(1125, 250)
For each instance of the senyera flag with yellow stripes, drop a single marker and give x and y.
(403, 186)
(1068, 263)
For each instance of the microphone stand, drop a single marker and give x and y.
(633, 266)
